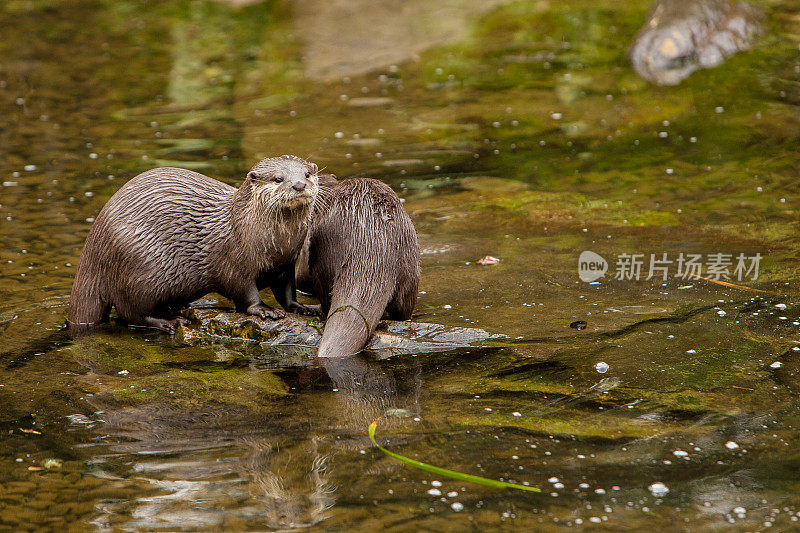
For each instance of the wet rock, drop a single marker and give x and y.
(682, 36)
(378, 33)
(492, 184)
(390, 338)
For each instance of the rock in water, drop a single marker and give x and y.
(682, 36)
(390, 338)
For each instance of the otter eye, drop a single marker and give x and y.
(308, 174)
(277, 179)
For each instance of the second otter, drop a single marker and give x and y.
(171, 235)
(361, 260)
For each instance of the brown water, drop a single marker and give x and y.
(515, 130)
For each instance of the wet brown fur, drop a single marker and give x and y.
(361, 260)
(170, 235)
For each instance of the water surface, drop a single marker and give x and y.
(515, 130)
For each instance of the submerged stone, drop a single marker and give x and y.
(682, 36)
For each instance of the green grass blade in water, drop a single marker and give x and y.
(443, 471)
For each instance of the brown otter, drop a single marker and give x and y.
(361, 259)
(170, 235)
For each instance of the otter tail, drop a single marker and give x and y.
(86, 306)
(352, 319)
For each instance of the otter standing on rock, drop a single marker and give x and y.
(170, 235)
(361, 260)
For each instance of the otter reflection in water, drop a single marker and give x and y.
(264, 463)
(294, 482)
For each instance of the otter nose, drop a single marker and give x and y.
(299, 186)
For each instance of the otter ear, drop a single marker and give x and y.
(252, 176)
(314, 168)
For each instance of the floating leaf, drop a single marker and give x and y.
(488, 260)
(726, 284)
(443, 471)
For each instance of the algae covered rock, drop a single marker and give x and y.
(390, 338)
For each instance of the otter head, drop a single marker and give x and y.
(287, 182)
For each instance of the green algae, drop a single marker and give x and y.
(193, 388)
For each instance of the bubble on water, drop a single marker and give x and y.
(434, 492)
(780, 306)
(600, 491)
(457, 507)
(658, 489)
(29, 168)
(739, 510)
(721, 313)
(731, 445)
(553, 479)
(436, 483)
(776, 364)
(452, 494)
(558, 485)
(602, 367)
(691, 351)
(556, 116)
(448, 306)
(719, 109)
(680, 453)
(516, 413)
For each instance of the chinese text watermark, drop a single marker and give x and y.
(716, 266)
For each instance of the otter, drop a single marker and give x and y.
(170, 235)
(361, 259)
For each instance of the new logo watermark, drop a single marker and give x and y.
(716, 266)
(591, 266)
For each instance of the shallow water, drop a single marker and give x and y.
(515, 130)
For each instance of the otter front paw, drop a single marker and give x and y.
(262, 310)
(167, 326)
(305, 310)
